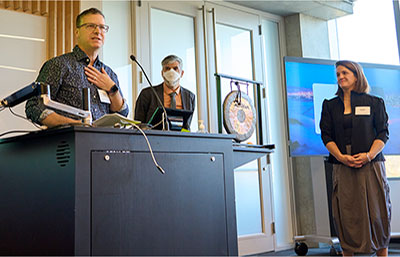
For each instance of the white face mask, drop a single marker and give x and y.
(171, 77)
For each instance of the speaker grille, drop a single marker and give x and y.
(63, 153)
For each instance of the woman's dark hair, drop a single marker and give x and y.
(361, 85)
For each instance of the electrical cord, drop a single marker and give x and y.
(28, 131)
(18, 131)
(133, 58)
(15, 131)
(22, 117)
(37, 126)
(156, 125)
(151, 150)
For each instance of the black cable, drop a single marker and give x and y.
(28, 131)
(150, 149)
(156, 125)
(16, 131)
(22, 117)
(165, 117)
(134, 126)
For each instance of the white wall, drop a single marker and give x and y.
(118, 45)
(22, 51)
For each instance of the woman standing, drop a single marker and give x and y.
(354, 129)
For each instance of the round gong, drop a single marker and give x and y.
(239, 115)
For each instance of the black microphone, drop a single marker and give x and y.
(21, 95)
(133, 58)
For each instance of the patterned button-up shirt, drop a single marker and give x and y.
(66, 76)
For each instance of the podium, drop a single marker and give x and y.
(96, 191)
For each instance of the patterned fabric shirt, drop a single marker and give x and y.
(66, 76)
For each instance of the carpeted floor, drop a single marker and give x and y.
(394, 250)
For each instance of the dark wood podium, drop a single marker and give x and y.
(96, 191)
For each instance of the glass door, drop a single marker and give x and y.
(169, 27)
(234, 49)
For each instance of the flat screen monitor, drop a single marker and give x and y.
(178, 119)
(310, 81)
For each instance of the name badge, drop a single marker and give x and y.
(363, 110)
(103, 96)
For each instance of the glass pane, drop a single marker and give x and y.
(248, 209)
(234, 57)
(369, 34)
(234, 51)
(172, 33)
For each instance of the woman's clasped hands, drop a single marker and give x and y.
(355, 161)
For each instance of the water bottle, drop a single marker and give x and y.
(202, 128)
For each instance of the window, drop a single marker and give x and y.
(173, 33)
(369, 34)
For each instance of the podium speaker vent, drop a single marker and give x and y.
(63, 153)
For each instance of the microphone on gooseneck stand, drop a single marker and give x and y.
(133, 58)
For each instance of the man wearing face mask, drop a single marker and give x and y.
(171, 93)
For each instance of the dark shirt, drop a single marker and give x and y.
(147, 103)
(348, 125)
(66, 76)
(365, 127)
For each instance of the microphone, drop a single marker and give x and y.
(21, 95)
(133, 58)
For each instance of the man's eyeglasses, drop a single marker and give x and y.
(92, 27)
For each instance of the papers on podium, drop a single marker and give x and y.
(112, 119)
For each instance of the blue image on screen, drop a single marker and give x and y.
(310, 81)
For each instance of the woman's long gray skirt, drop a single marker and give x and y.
(361, 207)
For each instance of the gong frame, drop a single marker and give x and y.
(257, 102)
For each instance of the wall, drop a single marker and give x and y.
(19, 68)
(307, 36)
(60, 21)
(43, 29)
(118, 45)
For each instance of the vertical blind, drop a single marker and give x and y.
(60, 16)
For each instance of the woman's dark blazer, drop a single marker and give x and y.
(369, 120)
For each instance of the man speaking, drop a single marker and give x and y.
(68, 74)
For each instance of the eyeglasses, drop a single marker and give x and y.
(92, 27)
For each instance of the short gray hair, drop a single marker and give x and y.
(170, 59)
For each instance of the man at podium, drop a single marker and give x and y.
(68, 74)
(170, 92)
